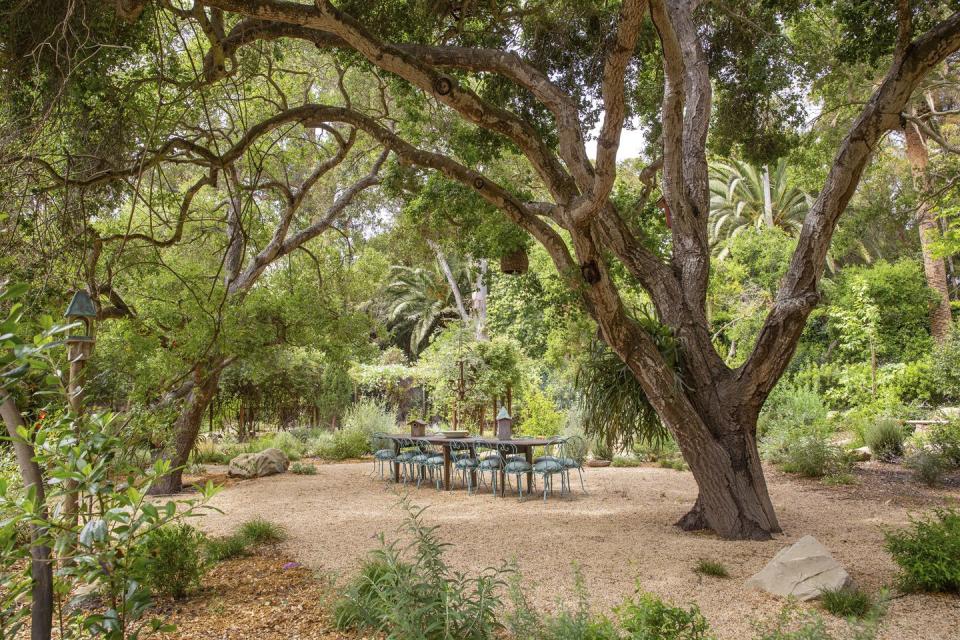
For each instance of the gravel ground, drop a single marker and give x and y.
(620, 535)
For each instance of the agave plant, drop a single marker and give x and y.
(737, 202)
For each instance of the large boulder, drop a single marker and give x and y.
(257, 465)
(803, 570)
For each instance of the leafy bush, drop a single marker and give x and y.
(340, 445)
(369, 417)
(602, 449)
(792, 407)
(945, 438)
(523, 621)
(409, 591)
(174, 559)
(928, 553)
(641, 617)
(652, 452)
(711, 568)
(811, 455)
(928, 466)
(538, 415)
(885, 437)
(623, 461)
(847, 602)
(206, 451)
(795, 623)
(260, 531)
(303, 469)
(647, 617)
(946, 365)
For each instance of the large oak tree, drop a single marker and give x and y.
(532, 79)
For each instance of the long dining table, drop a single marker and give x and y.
(521, 445)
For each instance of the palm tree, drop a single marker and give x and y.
(745, 197)
(417, 301)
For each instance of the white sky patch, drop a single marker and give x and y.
(632, 142)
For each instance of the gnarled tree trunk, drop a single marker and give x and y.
(187, 427)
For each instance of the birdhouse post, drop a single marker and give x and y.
(79, 344)
(504, 425)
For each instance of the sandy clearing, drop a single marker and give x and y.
(620, 535)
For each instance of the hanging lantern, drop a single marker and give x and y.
(504, 425)
(665, 207)
(515, 263)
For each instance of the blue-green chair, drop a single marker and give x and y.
(465, 462)
(383, 453)
(489, 460)
(408, 449)
(549, 466)
(573, 453)
(515, 465)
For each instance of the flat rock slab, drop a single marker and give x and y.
(256, 465)
(803, 570)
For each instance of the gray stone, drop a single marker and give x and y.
(803, 570)
(257, 465)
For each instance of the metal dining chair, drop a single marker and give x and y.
(549, 465)
(516, 465)
(408, 449)
(433, 465)
(572, 455)
(383, 453)
(489, 460)
(465, 462)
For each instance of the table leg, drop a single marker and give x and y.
(528, 454)
(396, 465)
(473, 472)
(446, 468)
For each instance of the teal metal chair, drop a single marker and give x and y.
(515, 465)
(573, 454)
(465, 462)
(383, 453)
(408, 449)
(489, 460)
(550, 465)
(433, 465)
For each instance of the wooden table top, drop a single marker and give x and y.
(434, 439)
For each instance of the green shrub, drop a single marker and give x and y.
(946, 365)
(928, 553)
(811, 455)
(647, 617)
(207, 451)
(523, 621)
(928, 466)
(601, 449)
(945, 438)
(303, 469)
(677, 464)
(260, 531)
(847, 602)
(539, 416)
(711, 568)
(174, 562)
(885, 437)
(658, 450)
(795, 623)
(409, 591)
(621, 461)
(369, 417)
(226, 548)
(792, 407)
(321, 445)
(350, 443)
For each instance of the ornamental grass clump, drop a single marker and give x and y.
(885, 437)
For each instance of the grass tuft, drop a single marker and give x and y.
(847, 602)
(260, 531)
(226, 548)
(711, 568)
